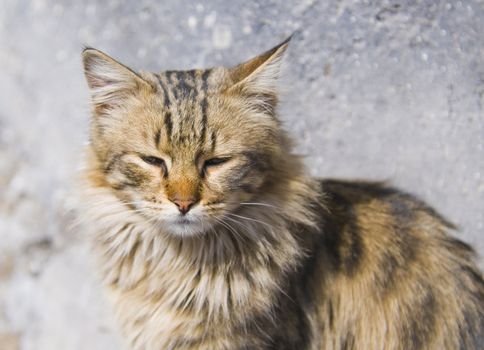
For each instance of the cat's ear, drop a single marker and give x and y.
(110, 82)
(258, 77)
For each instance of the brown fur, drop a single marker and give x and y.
(266, 257)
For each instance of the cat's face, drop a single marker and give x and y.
(186, 149)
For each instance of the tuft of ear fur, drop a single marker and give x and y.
(257, 78)
(110, 81)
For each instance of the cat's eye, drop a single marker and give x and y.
(214, 162)
(154, 161)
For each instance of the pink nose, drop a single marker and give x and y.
(184, 205)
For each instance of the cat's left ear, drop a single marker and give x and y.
(257, 78)
(110, 82)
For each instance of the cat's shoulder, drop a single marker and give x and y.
(377, 200)
(384, 218)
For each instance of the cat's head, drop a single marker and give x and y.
(187, 148)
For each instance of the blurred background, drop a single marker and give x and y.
(374, 89)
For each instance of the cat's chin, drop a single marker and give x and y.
(185, 228)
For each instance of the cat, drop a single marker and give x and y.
(211, 235)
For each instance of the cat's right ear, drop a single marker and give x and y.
(110, 82)
(257, 79)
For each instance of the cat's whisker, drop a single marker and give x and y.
(259, 204)
(238, 222)
(230, 228)
(223, 223)
(151, 220)
(249, 230)
(250, 219)
(135, 203)
(119, 207)
(201, 223)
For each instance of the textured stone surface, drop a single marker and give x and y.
(374, 89)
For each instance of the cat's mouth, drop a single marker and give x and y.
(186, 225)
(183, 220)
(194, 222)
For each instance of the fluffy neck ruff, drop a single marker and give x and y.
(228, 274)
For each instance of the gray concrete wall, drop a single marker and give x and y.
(375, 89)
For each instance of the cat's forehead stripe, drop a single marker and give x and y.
(157, 138)
(204, 104)
(166, 98)
(189, 89)
(185, 84)
(168, 124)
(213, 141)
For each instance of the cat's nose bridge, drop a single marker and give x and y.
(184, 196)
(183, 188)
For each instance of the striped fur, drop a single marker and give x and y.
(266, 257)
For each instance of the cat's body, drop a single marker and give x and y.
(211, 235)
